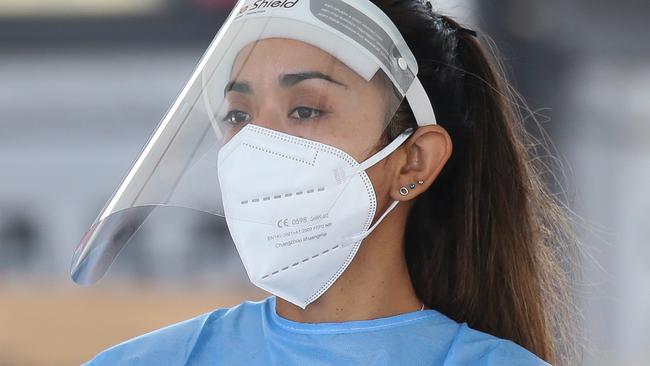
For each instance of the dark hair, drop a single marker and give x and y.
(486, 243)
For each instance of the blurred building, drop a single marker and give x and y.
(83, 86)
(584, 66)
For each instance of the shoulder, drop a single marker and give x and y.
(473, 347)
(175, 343)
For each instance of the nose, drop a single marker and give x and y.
(269, 115)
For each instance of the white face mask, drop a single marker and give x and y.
(296, 209)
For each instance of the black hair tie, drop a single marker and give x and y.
(471, 32)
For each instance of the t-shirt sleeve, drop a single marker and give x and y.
(509, 353)
(170, 345)
(474, 348)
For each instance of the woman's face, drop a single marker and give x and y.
(296, 88)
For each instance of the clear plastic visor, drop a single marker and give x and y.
(250, 76)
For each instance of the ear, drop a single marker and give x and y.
(423, 156)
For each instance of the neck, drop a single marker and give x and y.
(375, 285)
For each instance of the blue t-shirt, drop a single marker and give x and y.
(252, 333)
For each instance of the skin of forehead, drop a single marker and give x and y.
(302, 53)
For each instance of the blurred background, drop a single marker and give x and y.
(84, 83)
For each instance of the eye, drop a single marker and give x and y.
(236, 116)
(305, 113)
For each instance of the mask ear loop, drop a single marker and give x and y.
(362, 235)
(397, 142)
(383, 153)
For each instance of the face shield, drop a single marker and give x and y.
(302, 81)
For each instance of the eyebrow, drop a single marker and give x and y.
(285, 80)
(237, 86)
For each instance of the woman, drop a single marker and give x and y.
(460, 262)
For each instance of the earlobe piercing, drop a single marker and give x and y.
(404, 191)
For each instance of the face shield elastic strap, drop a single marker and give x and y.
(380, 155)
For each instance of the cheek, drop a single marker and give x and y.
(360, 118)
(369, 120)
(381, 183)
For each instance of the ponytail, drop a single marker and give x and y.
(484, 243)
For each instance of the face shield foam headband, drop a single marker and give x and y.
(296, 201)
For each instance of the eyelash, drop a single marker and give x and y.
(319, 113)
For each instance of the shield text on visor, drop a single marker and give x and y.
(273, 133)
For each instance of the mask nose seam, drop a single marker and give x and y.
(305, 142)
(282, 155)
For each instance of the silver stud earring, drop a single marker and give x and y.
(411, 185)
(420, 182)
(403, 191)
